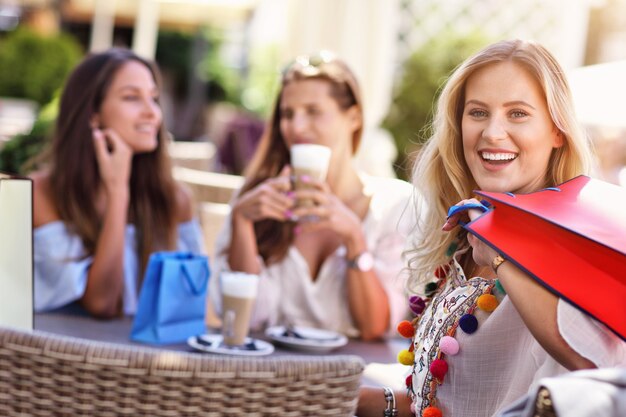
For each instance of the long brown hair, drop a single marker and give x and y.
(74, 175)
(274, 237)
(441, 173)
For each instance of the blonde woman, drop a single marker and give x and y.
(504, 123)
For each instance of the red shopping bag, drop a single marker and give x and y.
(570, 238)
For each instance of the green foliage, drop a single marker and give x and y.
(33, 66)
(423, 74)
(17, 155)
(214, 69)
(174, 55)
(263, 81)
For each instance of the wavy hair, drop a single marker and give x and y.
(74, 175)
(272, 154)
(441, 173)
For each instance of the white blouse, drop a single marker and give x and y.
(289, 295)
(501, 361)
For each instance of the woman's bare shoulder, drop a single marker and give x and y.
(44, 210)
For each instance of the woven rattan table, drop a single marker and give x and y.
(46, 374)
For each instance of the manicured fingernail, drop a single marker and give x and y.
(305, 178)
(291, 194)
(297, 230)
(288, 214)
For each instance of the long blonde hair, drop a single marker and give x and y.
(441, 174)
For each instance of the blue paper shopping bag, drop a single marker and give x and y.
(172, 299)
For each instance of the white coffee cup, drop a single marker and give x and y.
(239, 292)
(310, 160)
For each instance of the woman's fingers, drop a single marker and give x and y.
(462, 215)
(269, 200)
(100, 145)
(114, 158)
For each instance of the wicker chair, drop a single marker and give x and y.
(43, 374)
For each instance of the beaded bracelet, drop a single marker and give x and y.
(391, 410)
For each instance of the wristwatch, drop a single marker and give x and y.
(497, 261)
(363, 262)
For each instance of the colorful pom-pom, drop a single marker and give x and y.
(430, 289)
(487, 302)
(406, 329)
(406, 358)
(432, 412)
(449, 345)
(439, 368)
(442, 271)
(468, 323)
(416, 304)
(499, 287)
(415, 299)
(409, 381)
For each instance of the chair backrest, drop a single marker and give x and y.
(212, 218)
(209, 186)
(195, 155)
(43, 374)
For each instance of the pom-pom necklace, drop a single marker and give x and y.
(437, 366)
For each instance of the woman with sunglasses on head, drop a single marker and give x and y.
(106, 199)
(334, 265)
(486, 332)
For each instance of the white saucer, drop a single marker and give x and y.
(310, 339)
(214, 343)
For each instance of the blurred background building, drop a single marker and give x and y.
(221, 60)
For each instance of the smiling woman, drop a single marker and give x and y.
(485, 331)
(106, 198)
(131, 108)
(506, 125)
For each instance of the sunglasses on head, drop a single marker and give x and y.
(309, 64)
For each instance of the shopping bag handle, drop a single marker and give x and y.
(482, 206)
(196, 289)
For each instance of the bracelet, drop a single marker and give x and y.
(497, 261)
(391, 410)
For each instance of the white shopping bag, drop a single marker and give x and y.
(16, 252)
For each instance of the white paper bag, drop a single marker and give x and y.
(16, 252)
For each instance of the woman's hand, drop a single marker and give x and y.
(114, 158)
(329, 212)
(482, 253)
(268, 200)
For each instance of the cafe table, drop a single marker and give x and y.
(380, 356)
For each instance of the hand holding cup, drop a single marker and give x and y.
(308, 160)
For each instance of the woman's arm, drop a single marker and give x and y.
(538, 308)
(536, 305)
(367, 298)
(105, 281)
(372, 402)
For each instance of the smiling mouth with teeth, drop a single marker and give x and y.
(498, 157)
